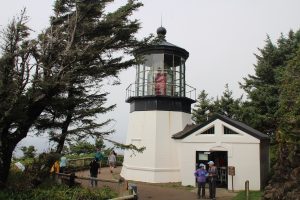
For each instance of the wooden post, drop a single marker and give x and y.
(232, 184)
(231, 171)
(72, 179)
(247, 189)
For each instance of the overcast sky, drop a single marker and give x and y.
(220, 35)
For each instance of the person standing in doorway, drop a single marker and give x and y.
(201, 175)
(212, 179)
(94, 166)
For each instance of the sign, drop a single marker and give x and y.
(203, 156)
(231, 170)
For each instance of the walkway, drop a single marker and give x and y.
(156, 191)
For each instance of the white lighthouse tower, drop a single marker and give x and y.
(160, 105)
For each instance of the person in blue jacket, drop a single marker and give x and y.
(201, 175)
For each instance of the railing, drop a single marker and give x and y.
(149, 89)
(122, 185)
(191, 92)
(84, 162)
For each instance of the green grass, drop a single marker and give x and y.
(253, 195)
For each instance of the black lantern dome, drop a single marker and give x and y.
(160, 79)
(161, 31)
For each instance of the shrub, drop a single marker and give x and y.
(58, 192)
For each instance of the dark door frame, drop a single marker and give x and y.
(209, 157)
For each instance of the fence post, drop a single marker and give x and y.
(247, 189)
(121, 185)
(72, 180)
(133, 190)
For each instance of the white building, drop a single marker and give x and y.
(228, 143)
(160, 114)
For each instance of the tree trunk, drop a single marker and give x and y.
(6, 151)
(64, 132)
(9, 140)
(61, 142)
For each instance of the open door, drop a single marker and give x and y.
(220, 159)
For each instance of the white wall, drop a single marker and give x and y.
(154, 130)
(243, 153)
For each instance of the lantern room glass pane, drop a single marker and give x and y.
(169, 73)
(161, 74)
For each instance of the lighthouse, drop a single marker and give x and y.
(160, 106)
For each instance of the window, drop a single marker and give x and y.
(209, 131)
(229, 131)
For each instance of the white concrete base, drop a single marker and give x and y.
(159, 163)
(151, 175)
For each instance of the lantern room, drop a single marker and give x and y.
(162, 70)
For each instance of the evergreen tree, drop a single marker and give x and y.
(83, 43)
(263, 88)
(74, 116)
(99, 143)
(227, 105)
(286, 170)
(82, 147)
(206, 107)
(203, 107)
(15, 69)
(28, 152)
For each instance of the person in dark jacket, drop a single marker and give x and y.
(212, 179)
(201, 175)
(94, 167)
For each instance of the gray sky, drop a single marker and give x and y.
(220, 35)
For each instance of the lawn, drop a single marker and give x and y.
(253, 195)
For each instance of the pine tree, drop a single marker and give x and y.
(286, 169)
(203, 107)
(15, 69)
(83, 43)
(263, 88)
(28, 152)
(227, 105)
(74, 116)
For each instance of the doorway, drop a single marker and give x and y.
(220, 159)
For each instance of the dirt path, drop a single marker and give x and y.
(155, 191)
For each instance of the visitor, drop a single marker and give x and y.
(112, 161)
(201, 175)
(99, 157)
(115, 165)
(212, 179)
(94, 167)
(63, 164)
(55, 167)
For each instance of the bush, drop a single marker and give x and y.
(36, 170)
(58, 192)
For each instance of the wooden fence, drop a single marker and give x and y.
(127, 191)
(82, 163)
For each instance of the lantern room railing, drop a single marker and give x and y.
(150, 89)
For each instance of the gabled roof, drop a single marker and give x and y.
(189, 129)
